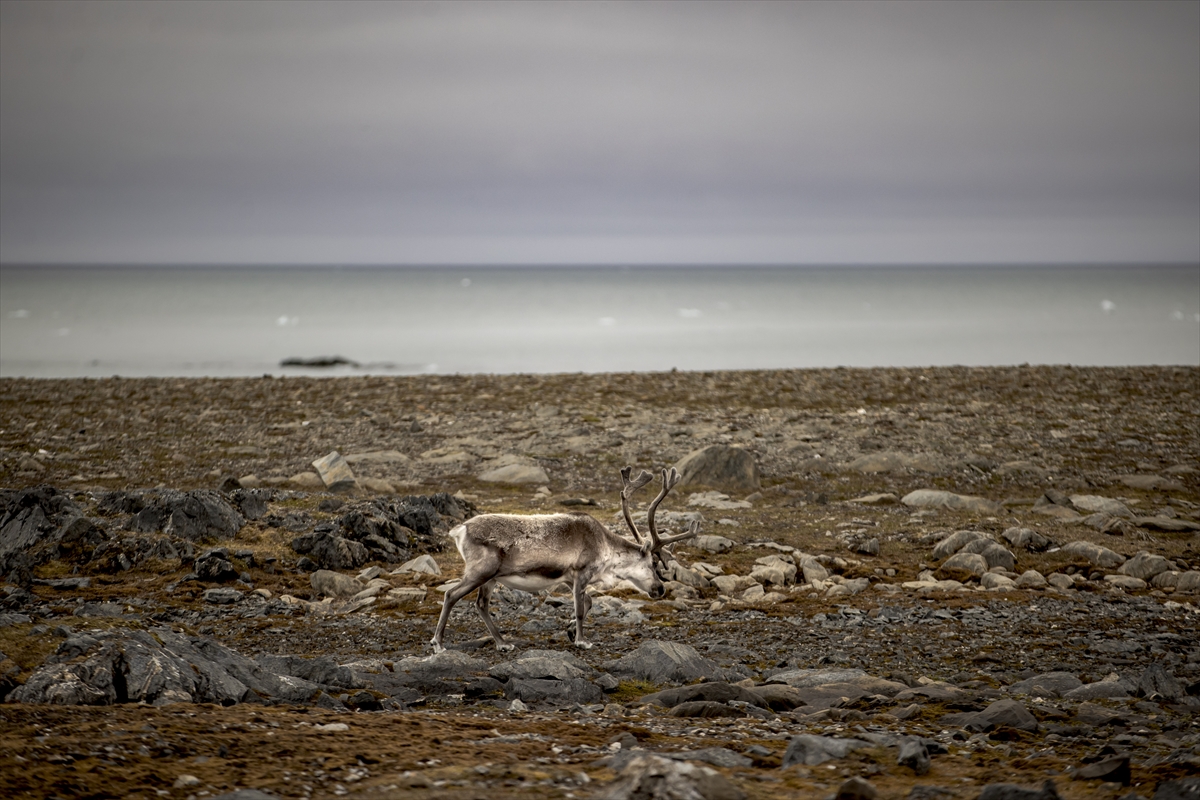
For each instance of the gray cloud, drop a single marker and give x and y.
(574, 132)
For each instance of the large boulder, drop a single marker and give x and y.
(160, 667)
(1093, 553)
(201, 516)
(957, 541)
(666, 662)
(721, 467)
(1145, 566)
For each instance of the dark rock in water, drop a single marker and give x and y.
(721, 467)
(666, 662)
(1010, 791)
(1110, 770)
(319, 362)
(811, 750)
(329, 551)
(540, 691)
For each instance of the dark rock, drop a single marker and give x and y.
(716, 691)
(543, 664)
(1010, 791)
(214, 565)
(721, 467)
(329, 551)
(1157, 682)
(666, 662)
(363, 701)
(223, 595)
(706, 709)
(32, 523)
(856, 789)
(157, 667)
(201, 516)
(252, 503)
(1049, 684)
(321, 670)
(1000, 714)
(913, 755)
(483, 687)
(1110, 770)
(555, 693)
(923, 792)
(812, 750)
(1183, 789)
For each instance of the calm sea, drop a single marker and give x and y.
(221, 321)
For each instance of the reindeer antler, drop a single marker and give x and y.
(627, 490)
(669, 479)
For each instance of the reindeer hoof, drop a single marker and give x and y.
(437, 648)
(584, 645)
(504, 647)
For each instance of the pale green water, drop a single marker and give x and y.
(221, 321)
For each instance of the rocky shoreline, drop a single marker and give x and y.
(918, 583)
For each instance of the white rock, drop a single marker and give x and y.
(423, 564)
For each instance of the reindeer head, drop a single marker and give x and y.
(653, 549)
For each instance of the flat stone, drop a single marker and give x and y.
(335, 473)
(223, 595)
(1097, 504)
(935, 498)
(1150, 482)
(885, 499)
(1049, 684)
(377, 457)
(422, 564)
(1092, 691)
(516, 474)
(1166, 524)
(894, 462)
(716, 500)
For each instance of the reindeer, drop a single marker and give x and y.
(535, 552)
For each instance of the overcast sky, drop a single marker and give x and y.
(807, 132)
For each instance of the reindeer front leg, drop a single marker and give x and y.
(583, 604)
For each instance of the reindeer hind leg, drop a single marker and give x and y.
(482, 605)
